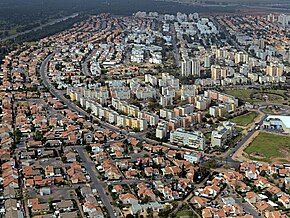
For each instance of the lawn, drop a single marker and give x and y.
(267, 146)
(182, 213)
(241, 93)
(278, 92)
(245, 119)
(257, 96)
(272, 110)
(269, 97)
(239, 129)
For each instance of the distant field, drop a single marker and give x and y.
(9, 32)
(245, 119)
(269, 147)
(257, 96)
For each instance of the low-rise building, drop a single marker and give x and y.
(185, 138)
(192, 157)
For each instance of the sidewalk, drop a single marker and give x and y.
(238, 156)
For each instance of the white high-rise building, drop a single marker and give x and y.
(190, 67)
(185, 68)
(271, 18)
(283, 19)
(166, 100)
(195, 65)
(222, 134)
(207, 62)
(241, 57)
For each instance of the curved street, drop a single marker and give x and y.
(86, 161)
(228, 158)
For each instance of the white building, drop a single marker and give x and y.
(192, 157)
(166, 113)
(161, 130)
(151, 79)
(277, 122)
(122, 94)
(184, 138)
(223, 134)
(207, 61)
(190, 68)
(166, 100)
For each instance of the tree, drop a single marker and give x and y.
(130, 148)
(89, 110)
(17, 135)
(178, 156)
(165, 212)
(37, 136)
(149, 212)
(207, 115)
(88, 149)
(146, 199)
(183, 171)
(262, 173)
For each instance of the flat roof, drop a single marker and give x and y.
(284, 119)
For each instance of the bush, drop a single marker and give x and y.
(88, 148)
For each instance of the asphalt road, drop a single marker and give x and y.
(233, 150)
(85, 69)
(58, 95)
(246, 206)
(227, 34)
(174, 44)
(68, 103)
(90, 166)
(262, 107)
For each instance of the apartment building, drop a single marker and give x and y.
(194, 139)
(222, 134)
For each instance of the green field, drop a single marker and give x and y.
(258, 96)
(245, 119)
(240, 93)
(182, 213)
(267, 146)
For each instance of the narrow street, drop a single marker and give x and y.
(96, 184)
(87, 162)
(246, 206)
